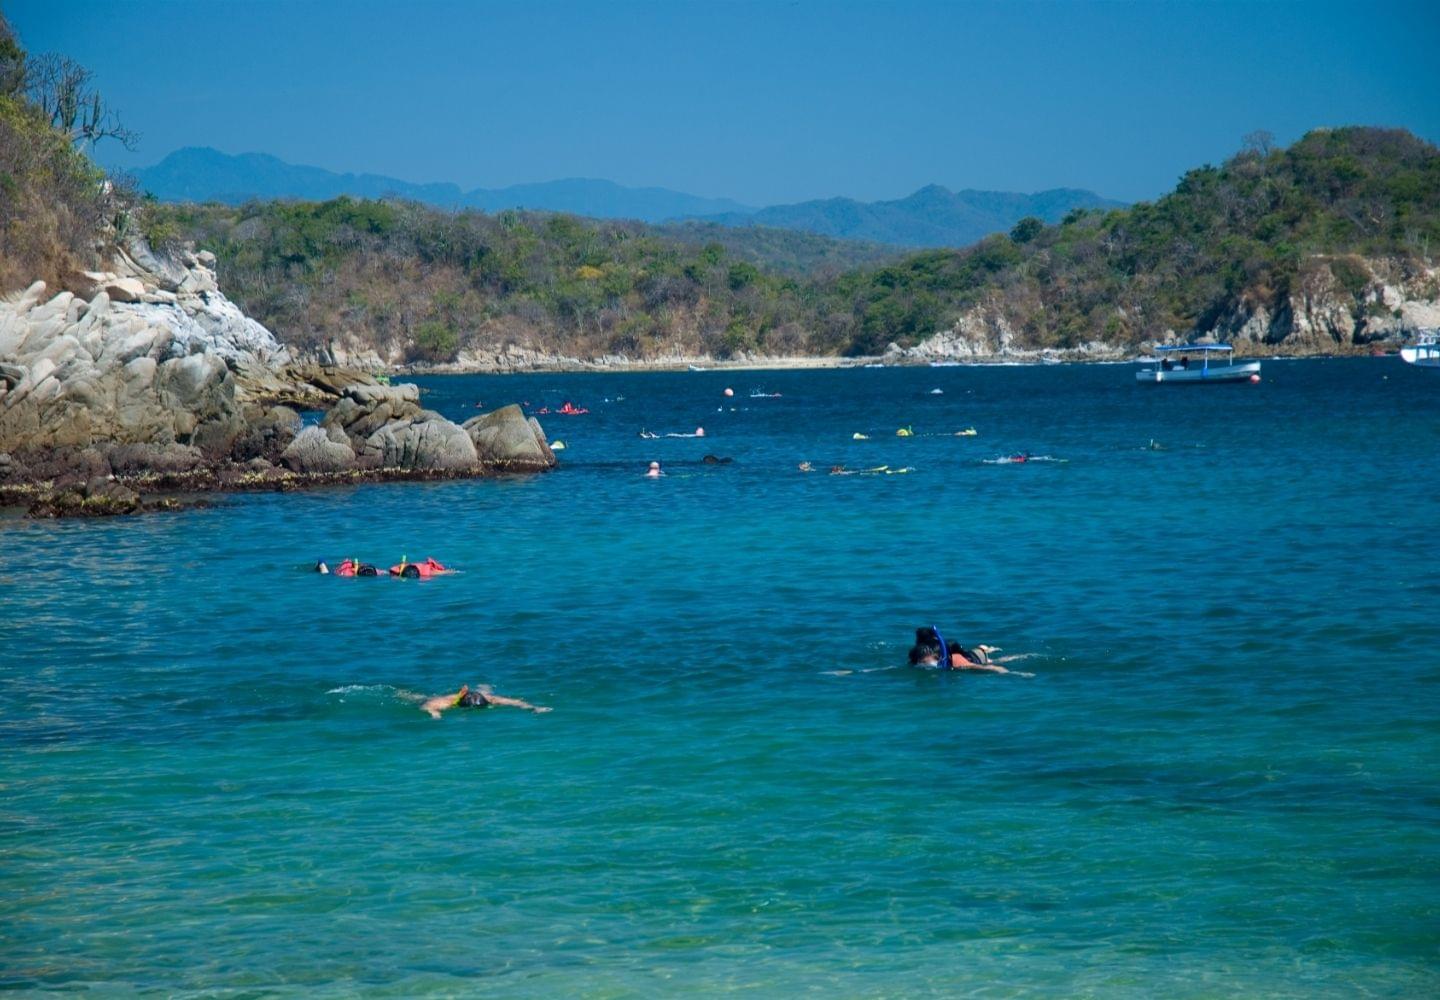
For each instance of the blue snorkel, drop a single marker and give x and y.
(944, 663)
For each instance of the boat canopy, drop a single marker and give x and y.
(1196, 347)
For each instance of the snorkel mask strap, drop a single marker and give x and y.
(944, 649)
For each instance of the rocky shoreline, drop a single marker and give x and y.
(1321, 316)
(904, 359)
(151, 382)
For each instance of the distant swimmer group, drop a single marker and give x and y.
(566, 409)
(404, 569)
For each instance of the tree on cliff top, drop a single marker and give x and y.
(62, 89)
(56, 211)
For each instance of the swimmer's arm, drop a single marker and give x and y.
(989, 668)
(437, 705)
(496, 699)
(992, 668)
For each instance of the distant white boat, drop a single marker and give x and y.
(944, 364)
(696, 368)
(1425, 353)
(1166, 369)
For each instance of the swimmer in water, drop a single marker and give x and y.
(481, 697)
(929, 648)
(654, 471)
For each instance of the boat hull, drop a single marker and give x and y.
(1215, 373)
(1422, 355)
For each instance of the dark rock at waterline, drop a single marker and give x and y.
(100, 497)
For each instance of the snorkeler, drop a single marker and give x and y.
(931, 650)
(480, 697)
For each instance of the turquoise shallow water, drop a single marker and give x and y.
(1221, 780)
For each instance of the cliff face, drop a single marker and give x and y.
(147, 357)
(1336, 305)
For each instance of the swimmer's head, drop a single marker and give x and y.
(924, 656)
(320, 567)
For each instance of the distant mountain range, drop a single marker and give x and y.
(932, 216)
(203, 174)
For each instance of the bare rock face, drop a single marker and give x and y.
(315, 451)
(77, 373)
(387, 428)
(427, 442)
(1377, 301)
(156, 371)
(506, 438)
(364, 409)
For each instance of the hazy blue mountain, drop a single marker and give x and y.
(202, 174)
(934, 216)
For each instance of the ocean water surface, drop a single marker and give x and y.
(1220, 781)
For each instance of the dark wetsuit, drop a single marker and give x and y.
(474, 699)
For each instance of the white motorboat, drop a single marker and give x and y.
(1425, 353)
(1166, 368)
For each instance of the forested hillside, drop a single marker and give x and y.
(418, 284)
(1240, 236)
(423, 284)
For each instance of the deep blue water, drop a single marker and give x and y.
(1220, 781)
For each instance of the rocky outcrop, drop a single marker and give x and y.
(508, 439)
(76, 373)
(387, 427)
(1338, 304)
(315, 450)
(987, 332)
(1334, 305)
(151, 371)
(427, 442)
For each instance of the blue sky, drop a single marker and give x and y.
(763, 102)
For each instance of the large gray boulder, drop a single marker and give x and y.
(365, 409)
(313, 450)
(428, 442)
(507, 439)
(387, 428)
